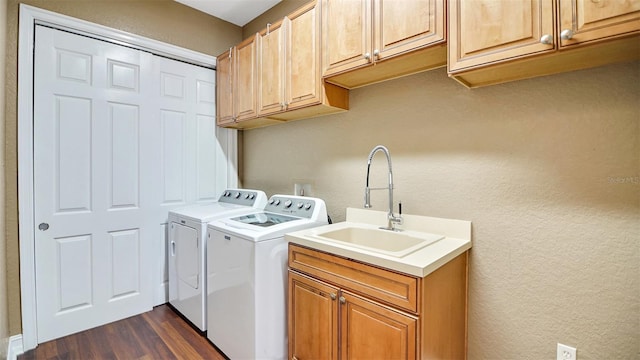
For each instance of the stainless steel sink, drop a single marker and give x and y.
(387, 242)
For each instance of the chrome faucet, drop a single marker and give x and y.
(392, 219)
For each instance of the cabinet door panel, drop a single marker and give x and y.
(595, 20)
(313, 319)
(224, 95)
(245, 84)
(271, 70)
(347, 29)
(486, 31)
(303, 74)
(373, 331)
(401, 26)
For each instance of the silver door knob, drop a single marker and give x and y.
(546, 39)
(342, 300)
(376, 53)
(566, 34)
(43, 226)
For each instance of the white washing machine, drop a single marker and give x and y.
(187, 249)
(247, 276)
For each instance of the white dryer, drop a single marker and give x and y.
(247, 276)
(187, 249)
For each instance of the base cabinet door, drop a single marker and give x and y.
(313, 319)
(372, 331)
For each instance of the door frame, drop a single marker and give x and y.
(29, 17)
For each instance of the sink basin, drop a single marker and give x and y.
(387, 242)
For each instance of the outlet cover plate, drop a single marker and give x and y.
(566, 352)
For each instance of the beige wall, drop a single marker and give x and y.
(163, 20)
(547, 169)
(4, 321)
(271, 16)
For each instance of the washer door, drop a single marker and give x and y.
(184, 248)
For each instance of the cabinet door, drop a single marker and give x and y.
(303, 70)
(347, 29)
(224, 91)
(595, 20)
(402, 26)
(313, 319)
(488, 31)
(373, 331)
(271, 69)
(245, 80)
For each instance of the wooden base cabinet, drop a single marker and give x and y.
(342, 309)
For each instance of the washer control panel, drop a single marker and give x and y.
(242, 197)
(300, 206)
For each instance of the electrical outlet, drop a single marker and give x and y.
(566, 352)
(301, 189)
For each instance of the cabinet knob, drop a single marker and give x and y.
(367, 56)
(546, 39)
(566, 34)
(342, 300)
(376, 53)
(333, 296)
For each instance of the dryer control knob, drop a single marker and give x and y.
(307, 206)
(299, 205)
(287, 203)
(277, 202)
(271, 201)
(246, 196)
(237, 195)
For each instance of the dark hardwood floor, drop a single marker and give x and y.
(157, 334)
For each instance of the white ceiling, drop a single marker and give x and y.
(238, 12)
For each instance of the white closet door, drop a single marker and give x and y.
(93, 184)
(192, 161)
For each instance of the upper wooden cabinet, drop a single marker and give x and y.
(236, 81)
(497, 41)
(271, 69)
(485, 31)
(290, 65)
(277, 75)
(224, 91)
(361, 33)
(584, 21)
(245, 85)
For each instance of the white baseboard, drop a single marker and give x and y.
(15, 347)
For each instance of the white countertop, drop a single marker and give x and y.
(420, 263)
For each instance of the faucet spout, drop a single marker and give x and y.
(392, 219)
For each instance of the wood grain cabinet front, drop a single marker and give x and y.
(398, 37)
(277, 75)
(236, 82)
(498, 41)
(290, 69)
(224, 89)
(343, 309)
